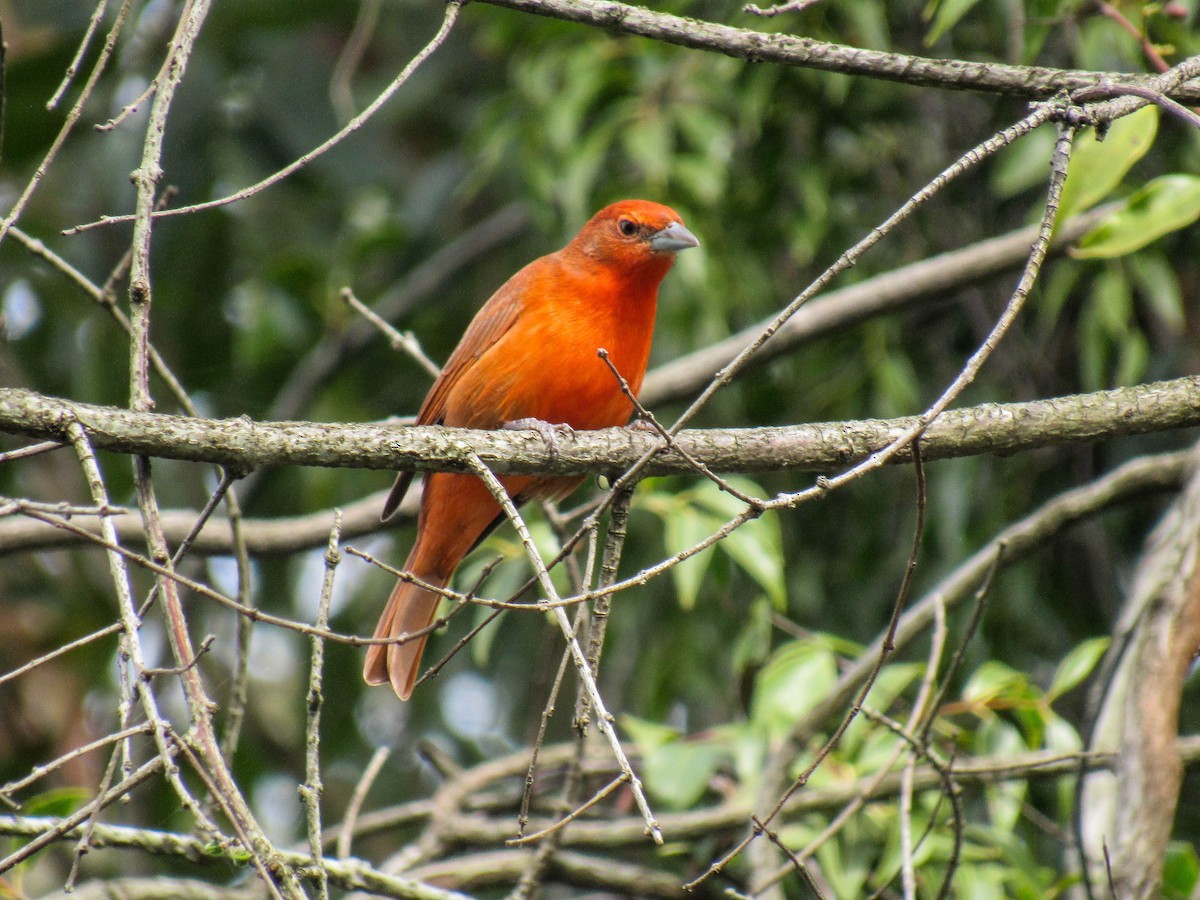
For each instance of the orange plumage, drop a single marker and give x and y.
(530, 353)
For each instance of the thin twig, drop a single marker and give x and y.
(604, 720)
(771, 11)
(669, 442)
(348, 61)
(310, 791)
(452, 10)
(539, 740)
(357, 798)
(40, 771)
(398, 340)
(59, 829)
(68, 125)
(31, 450)
(131, 637)
(73, 67)
(571, 816)
(1108, 89)
(107, 631)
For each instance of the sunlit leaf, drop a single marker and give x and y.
(1181, 871)
(1097, 167)
(795, 677)
(892, 681)
(1060, 735)
(649, 736)
(1164, 205)
(1001, 738)
(984, 882)
(757, 546)
(723, 503)
(677, 774)
(995, 679)
(1076, 666)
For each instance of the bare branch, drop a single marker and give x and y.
(1003, 428)
(1032, 82)
(263, 537)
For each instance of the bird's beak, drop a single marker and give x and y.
(672, 238)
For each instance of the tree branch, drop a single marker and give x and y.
(890, 292)
(242, 444)
(1033, 82)
(264, 537)
(476, 828)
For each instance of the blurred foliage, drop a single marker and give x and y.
(777, 171)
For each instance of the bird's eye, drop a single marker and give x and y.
(627, 227)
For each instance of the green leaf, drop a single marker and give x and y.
(59, 802)
(677, 774)
(1112, 303)
(1094, 346)
(1060, 735)
(1001, 738)
(1181, 870)
(993, 680)
(1133, 360)
(1056, 290)
(649, 736)
(795, 677)
(649, 141)
(683, 528)
(1023, 165)
(722, 503)
(1164, 205)
(946, 17)
(985, 882)
(757, 547)
(1076, 666)
(864, 740)
(753, 640)
(1097, 167)
(1158, 285)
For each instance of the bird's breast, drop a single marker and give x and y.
(548, 367)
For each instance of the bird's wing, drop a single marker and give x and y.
(490, 324)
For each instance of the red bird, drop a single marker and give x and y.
(530, 354)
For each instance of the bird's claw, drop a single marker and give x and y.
(550, 432)
(644, 426)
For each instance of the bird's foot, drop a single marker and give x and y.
(644, 426)
(550, 432)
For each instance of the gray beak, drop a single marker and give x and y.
(673, 238)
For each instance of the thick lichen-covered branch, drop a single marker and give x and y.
(242, 444)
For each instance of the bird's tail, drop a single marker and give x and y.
(409, 609)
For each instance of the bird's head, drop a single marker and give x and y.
(635, 235)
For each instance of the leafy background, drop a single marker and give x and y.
(777, 171)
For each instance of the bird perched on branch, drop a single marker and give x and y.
(530, 359)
